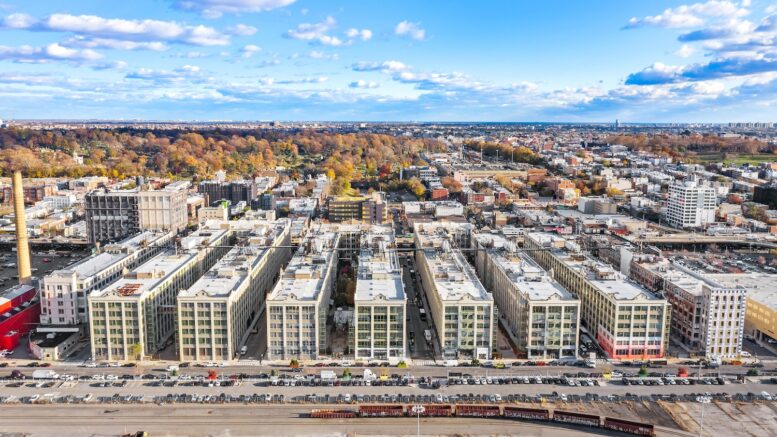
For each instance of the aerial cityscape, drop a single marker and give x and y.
(285, 217)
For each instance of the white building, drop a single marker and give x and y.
(462, 309)
(379, 301)
(216, 313)
(539, 313)
(297, 306)
(64, 291)
(691, 204)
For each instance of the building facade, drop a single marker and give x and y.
(111, 215)
(298, 305)
(627, 320)
(367, 209)
(691, 204)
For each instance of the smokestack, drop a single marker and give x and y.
(22, 245)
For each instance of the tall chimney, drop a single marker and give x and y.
(22, 245)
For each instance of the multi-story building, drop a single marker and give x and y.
(216, 313)
(163, 209)
(134, 317)
(297, 306)
(115, 215)
(627, 320)
(111, 215)
(761, 304)
(365, 209)
(766, 194)
(64, 291)
(542, 316)
(234, 191)
(32, 192)
(691, 204)
(708, 319)
(379, 300)
(462, 309)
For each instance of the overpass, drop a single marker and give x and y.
(758, 239)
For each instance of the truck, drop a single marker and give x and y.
(428, 334)
(44, 374)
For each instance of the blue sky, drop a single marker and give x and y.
(658, 61)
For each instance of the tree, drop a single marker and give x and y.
(752, 372)
(346, 373)
(294, 364)
(135, 350)
(643, 371)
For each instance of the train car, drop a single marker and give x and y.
(526, 413)
(437, 410)
(381, 411)
(576, 418)
(477, 411)
(332, 414)
(627, 426)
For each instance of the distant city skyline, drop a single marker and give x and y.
(299, 60)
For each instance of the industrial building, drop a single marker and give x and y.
(540, 315)
(297, 306)
(627, 320)
(379, 328)
(366, 209)
(708, 318)
(216, 313)
(462, 309)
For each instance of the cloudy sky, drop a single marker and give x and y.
(657, 61)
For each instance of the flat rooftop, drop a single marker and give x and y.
(110, 255)
(205, 236)
(379, 274)
(232, 270)
(304, 276)
(761, 287)
(598, 274)
(144, 279)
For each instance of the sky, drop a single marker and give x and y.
(399, 60)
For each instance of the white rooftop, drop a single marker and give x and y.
(761, 287)
(379, 274)
(144, 279)
(304, 276)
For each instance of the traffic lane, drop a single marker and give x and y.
(141, 388)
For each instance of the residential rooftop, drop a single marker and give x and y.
(138, 283)
(379, 274)
(304, 276)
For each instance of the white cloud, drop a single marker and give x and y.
(686, 51)
(115, 44)
(315, 54)
(242, 30)
(217, 8)
(363, 84)
(19, 21)
(690, 15)
(185, 74)
(249, 50)
(386, 66)
(115, 65)
(410, 30)
(120, 29)
(51, 52)
(363, 34)
(315, 32)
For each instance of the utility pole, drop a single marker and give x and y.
(703, 400)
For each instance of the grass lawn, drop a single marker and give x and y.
(737, 159)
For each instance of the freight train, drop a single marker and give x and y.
(491, 411)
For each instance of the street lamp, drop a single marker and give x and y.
(418, 410)
(702, 400)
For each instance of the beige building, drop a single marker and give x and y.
(761, 305)
(216, 313)
(462, 309)
(163, 209)
(297, 307)
(379, 328)
(542, 316)
(627, 320)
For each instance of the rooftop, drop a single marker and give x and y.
(379, 273)
(761, 287)
(304, 276)
(144, 279)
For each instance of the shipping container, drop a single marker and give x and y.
(477, 411)
(576, 418)
(381, 411)
(627, 426)
(527, 413)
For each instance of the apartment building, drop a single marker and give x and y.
(64, 291)
(760, 305)
(365, 209)
(462, 309)
(297, 306)
(134, 317)
(234, 191)
(163, 209)
(216, 313)
(542, 316)
(379, 329)
(627, 320)
(692, 204)
(708, 319)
